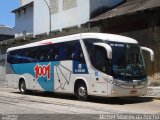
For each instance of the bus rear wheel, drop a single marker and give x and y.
(22, 87)
(82, 92)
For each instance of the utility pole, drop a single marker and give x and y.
(49, 9)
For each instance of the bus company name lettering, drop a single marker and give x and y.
(80, 70)
(42, 71)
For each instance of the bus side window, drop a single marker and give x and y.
(90, 48)
(100, 59)
(77, 53)
(51, 54)
(10, 58)
(62, 52)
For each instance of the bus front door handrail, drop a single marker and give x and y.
(150, 51)
(107, 47)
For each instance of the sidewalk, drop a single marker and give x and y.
(154, 92)
(3, 83)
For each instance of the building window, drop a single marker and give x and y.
(54, 6)
(68, 4)
(23, 11)
(18, 13)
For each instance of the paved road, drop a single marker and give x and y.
(11, 102)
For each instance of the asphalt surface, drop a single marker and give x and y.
(41, 106)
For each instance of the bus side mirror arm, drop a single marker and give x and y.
(150, 51)
(107, 47)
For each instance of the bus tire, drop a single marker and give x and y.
(22, 87)
(82, 94)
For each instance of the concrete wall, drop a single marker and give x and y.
(2, 72)
(24, 22)
(76, 15)
(24, 2)
(68, 4)
(67, 13)
(64, 14)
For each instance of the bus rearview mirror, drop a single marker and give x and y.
(107, 47)
(150, 51)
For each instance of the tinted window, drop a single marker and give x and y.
(97, 55)
(90, 48)
(89, 45)
(56, 52)
(100, 60)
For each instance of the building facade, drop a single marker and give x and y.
(6, 33)
(44, 16)
(139, 19)
(36, 17)
(24, 19)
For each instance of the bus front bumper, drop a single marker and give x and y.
(117, 91)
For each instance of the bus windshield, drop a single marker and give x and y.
(127, 61)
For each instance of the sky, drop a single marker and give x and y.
(6, 16)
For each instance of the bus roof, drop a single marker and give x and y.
(102, 36)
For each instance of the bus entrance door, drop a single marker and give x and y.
(99, 85)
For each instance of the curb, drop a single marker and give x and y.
(154, 92)
(156, 98)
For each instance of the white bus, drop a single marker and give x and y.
(83, 64)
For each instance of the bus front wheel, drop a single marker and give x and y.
(82, 92)
(22, 87)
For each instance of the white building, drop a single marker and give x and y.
(24, 19)
(41, 16)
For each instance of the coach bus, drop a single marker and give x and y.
(83, 64)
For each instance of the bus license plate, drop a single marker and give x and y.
(133, 92)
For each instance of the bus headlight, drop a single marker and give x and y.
(117, 82)
(114, 82)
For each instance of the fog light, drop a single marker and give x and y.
(113, 91)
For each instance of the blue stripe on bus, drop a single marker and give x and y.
(47, 85)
